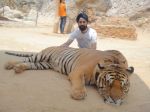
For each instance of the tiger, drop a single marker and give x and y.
(108, 70)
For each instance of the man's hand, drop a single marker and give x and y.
(66, 44)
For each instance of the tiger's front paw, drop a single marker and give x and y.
(78, 94)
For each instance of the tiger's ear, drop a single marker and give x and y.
(130, 70)
(97, 70)
(100, 66)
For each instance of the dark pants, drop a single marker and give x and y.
(62, 23)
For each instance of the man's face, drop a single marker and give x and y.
(82, 23)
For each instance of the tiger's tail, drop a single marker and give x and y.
(19, 54)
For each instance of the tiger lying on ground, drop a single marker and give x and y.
(108, 70)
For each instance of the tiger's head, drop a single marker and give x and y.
(112, 82)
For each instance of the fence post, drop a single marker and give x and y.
(37, 15)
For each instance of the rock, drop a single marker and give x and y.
(127, 7)
(141, 19)
(4, 18)
(9, 13)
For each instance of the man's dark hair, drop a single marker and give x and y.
(82, 15)
(60, 1)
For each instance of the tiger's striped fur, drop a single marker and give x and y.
(108, 70)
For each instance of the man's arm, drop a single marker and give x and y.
(67, 43)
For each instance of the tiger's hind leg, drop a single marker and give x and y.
(10, 65)
(18, 68)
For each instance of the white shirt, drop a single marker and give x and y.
(84, 39)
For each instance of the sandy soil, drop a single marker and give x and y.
(48, 91)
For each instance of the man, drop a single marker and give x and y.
(85, 36)
(62, 14)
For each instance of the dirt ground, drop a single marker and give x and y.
(48, 91)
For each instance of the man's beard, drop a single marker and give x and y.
(82, 27)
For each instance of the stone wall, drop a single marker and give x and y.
(116, 27)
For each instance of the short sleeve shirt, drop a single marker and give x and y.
(84, 39)
(62, 9)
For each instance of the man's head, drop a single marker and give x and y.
(62, 1)
(82, 20)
